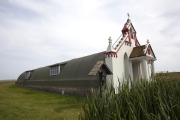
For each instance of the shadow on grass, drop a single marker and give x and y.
(13, 86)
(67, 107)
(27, 91)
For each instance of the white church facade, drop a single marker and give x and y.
(127, 59)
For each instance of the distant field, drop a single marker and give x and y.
(171, 76)
(7, 80)
(23, 103)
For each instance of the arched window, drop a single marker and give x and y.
(149, 51)
(27, 74)
(132, 36)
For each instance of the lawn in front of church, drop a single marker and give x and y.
(23, 103)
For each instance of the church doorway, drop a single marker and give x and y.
(136, 70)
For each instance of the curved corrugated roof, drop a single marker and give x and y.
(75, 69)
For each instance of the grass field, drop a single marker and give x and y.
(171, 76)
(23, 103)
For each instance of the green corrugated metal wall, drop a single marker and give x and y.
(73, 75)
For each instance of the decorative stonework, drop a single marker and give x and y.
(148, 51)
(110, 54)
(137, 43)
(128, 43)
(149, 62)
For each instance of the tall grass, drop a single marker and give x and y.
(142, 100)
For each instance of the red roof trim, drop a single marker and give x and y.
(124, 30)
(151, 50)
(111, 54)
(133, 27)
(121, 45)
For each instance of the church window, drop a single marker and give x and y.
(55, 70)
(148, 51)
(132, 36)
(27, 74)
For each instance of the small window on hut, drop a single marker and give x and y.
(27, 74)
(55, 70)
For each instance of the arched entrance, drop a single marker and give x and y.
(136, 70)
(126, 66)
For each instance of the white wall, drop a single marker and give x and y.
(109, 78)
(117, 66)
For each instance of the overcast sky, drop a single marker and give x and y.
(37, 33)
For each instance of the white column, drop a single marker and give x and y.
(141, 69)
(153, 69)
(145, 72)
(109, 78)
(131, 70)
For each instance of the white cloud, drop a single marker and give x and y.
(39, 33)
